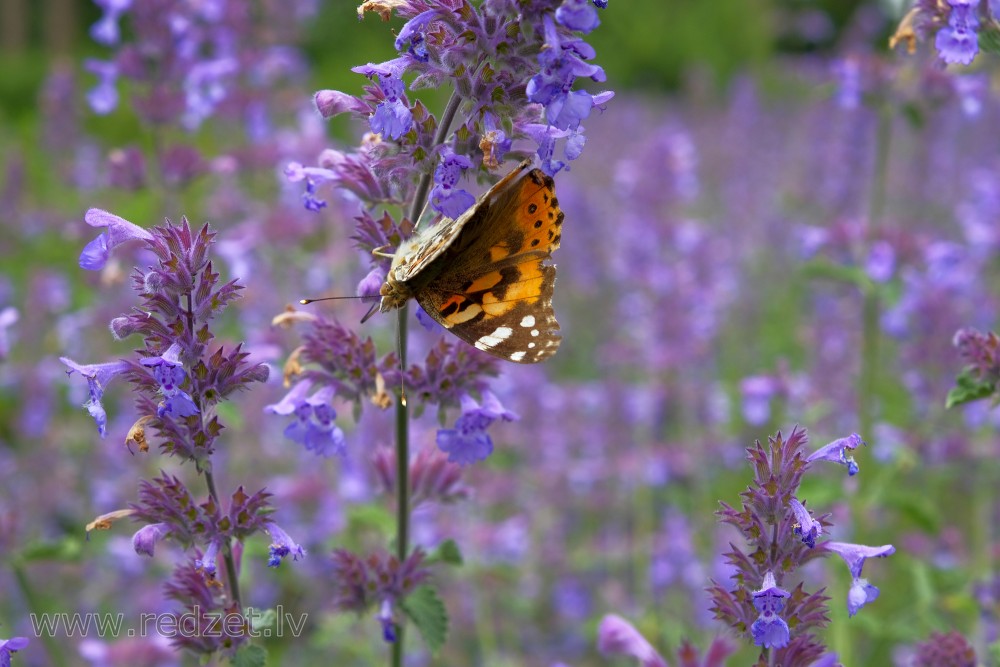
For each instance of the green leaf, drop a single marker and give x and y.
(263, 620)
(824, 269)
(989, 37)
(427, 612)
(67, 549)
(447, 552)
(362, 517)
(249, 656)
(967, 389)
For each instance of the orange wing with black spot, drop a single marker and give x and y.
(492, 286)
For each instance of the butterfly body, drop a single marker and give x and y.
(485, 275)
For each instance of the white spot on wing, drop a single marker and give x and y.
(517, 356)
(487, 342)
(531, 345)
(534, 332)
(503, 333)
(528, 321)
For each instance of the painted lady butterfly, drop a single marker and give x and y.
(484, 276)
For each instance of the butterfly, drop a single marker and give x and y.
(485, 276)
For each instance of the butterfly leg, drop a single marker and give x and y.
(380, 252)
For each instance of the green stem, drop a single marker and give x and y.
(52, 647)
(227, 552)
(402, 412)
(871, 309)
(868, 373)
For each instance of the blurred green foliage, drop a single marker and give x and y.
(646, 45)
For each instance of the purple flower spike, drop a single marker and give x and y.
(854, 555)
(807, 527)
(98, 376)
(836, 451)
(770, 630)
(146, 538)
(469, 442)
(95, 254)
(282, 546)
(616, 636)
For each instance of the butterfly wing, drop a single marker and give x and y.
(492, 286)
(421, 250)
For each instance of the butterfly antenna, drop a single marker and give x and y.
(422, 214)
(306, 302)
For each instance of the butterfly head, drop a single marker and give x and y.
(395, 294)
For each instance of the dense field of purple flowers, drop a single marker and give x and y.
(767, 436)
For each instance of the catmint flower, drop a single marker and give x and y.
(392, 118)
(770, 630)
(205, 88)
(807, 527)
(836, 451)
(881, 262)
(757, 391)
(412, 35)
(371, 283)
(578, 15)
(313, 176)
(385, 618)
(776, 619)
(208, 562)
(981, 352)
(106, 30)
(950, 649)
(169, 374)
(9, 647)
(127, 168)
(847, 73)
(958, 42)
(469, 442)
(432, 477)
(361, 583)
(102, 98)
(314, 427)
(281, 546)
(145, 539)
(8, 318)
(861, 592)
(562, 61)
(616, 636)
(331, 103)
(98, 376)
(119, 230)
(445, 198)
